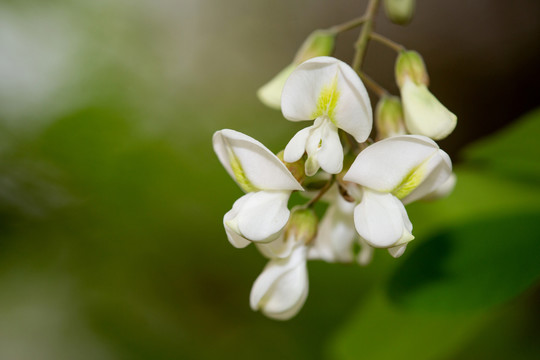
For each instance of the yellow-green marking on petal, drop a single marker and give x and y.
(327, 101)
(410, 181)
(240, 174)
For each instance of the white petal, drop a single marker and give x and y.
(270, 93)
(443, 190)
(330, 154)
(325, 86)
(251, 164)
(424, 114)
(381, 220)
(297, 145)
(334, 241)
(353, 111)
(264, 215)
(397, 251)
(393, 164)
(281, 289)
(230, 222)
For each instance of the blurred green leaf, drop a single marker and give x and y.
(474, 250)
(513, 152)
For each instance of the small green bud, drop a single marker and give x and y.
(302, 225)
(399, 11)
(318, 43)
(410, 64)
(296, 168)
(389, 119)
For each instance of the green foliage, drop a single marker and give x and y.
(474, 252)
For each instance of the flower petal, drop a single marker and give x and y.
(330, 154)
(270, 93)
(397, 164)
(381, 220)
(297, 145)
(264, 215)
(334, 241)
(443, 190)
(325, 86)
(251, 164)
(281, 289)
(424, 114)
(230, 223)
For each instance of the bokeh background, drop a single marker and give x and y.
(111, 199)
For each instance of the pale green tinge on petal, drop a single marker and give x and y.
(424, 114)
(397, 251)
(230, 222)
(281, 289)
(312, 165)
(270, 93)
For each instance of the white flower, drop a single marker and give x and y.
(282, 288)
(336, 234)
(424, 114)
(328, 91)
(261, 214)
(406, 168)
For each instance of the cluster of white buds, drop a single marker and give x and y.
(365, 183)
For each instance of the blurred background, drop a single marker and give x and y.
(111, 198)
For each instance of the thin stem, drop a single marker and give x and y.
(320, 193)
(351, 24)
(376, 88)
(361, 44)
(386, 41)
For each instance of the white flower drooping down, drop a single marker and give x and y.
(393, 172)
(282, 288)
(261, 214)
(330, 92)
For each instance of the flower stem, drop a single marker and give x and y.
(376, 88)
(361, 43)
(386, 41)
(351, 24)
(321, 192)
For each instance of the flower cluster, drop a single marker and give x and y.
(366, 183)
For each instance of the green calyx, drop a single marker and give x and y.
(410, 65)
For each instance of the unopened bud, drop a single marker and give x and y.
(318, 43)
(399, 11)
(410, 64)
(302, 225)
(389, 117)
(296, 168)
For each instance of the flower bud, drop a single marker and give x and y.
(399, 11)
(318, 43)
(302, 225)
(410, 64)
(296, 168)
(389, 117)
